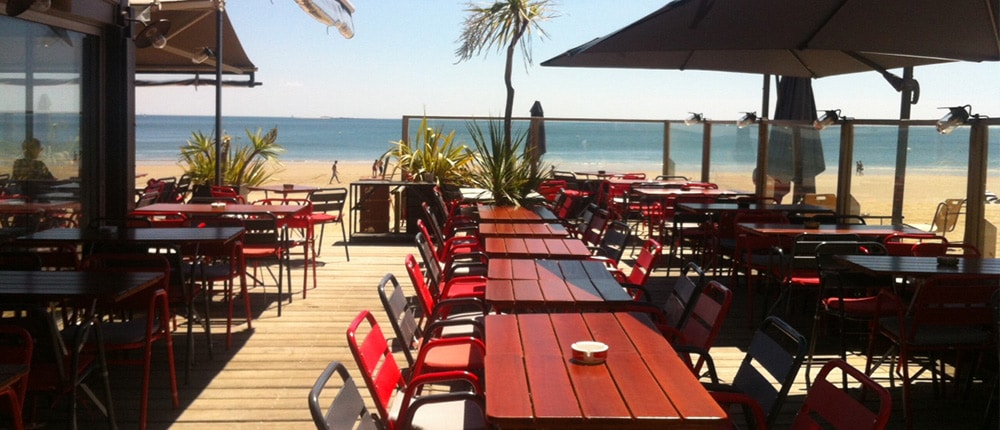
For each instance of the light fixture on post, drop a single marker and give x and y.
(828, 118)
(747, 119)
(202, 55)
(955, 117)
(17, 7)
(695, 118)
(154, 35)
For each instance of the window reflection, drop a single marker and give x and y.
(40, 123)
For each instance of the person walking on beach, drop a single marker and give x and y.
(375, 167)
(859, 169)
(334, 174)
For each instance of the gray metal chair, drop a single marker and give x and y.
(347, 410)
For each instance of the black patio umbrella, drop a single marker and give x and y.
(795, 38)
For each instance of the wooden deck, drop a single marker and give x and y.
(264, 380)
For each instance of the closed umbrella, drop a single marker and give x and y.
(795, 154)
(536, 135)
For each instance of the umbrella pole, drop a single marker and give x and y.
(902, 142)
(218, 94)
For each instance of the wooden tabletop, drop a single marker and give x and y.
(724, 207)
(870, 231)
(230, 208)
(175, 235)
(42, 286)
(515, 214)
(552, 285)
(532, 383)
(920, 266)
(537, 230)
(13, 206)
(517, 247)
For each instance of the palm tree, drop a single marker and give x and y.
(504, 23)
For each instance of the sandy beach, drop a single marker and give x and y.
(873, 190)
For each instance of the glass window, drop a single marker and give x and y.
(40, 115)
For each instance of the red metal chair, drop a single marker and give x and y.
(902, 243)
(635, 281)
(16, 348)
(225, 192)
(931, 249)
(826, 406)
(948, 314)
(223, 264)
(401, 402)
(302, 225)
(139, 333)
(328, 208)
(458, 343)
(462, 286)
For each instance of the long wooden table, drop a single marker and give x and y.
(515, 214)
(41, 288)
(519, 285)
(531, 382)
(919, 266)
(871, 232)
(517, 247)
(524, 230)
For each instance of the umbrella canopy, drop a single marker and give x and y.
(192, 29)
(794, 38)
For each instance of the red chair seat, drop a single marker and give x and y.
(862, 306)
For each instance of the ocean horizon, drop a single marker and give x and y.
(629, 146)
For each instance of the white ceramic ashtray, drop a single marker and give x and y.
(218, 206)
(589, 352)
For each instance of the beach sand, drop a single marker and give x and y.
(874, 190)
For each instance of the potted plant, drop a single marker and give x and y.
(508, 172)
(242, 166)
(433, 157)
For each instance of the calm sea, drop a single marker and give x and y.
(570, 145)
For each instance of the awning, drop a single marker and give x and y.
(192, 29)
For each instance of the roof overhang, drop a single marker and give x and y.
(193, 27)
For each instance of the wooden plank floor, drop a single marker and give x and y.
(264, 379)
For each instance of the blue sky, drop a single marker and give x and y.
(401, 61)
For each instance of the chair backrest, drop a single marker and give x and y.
(374, 358)
(803, 252)
(953, 303)
(424, 295)
(431, 263)
(704, 322)
(939, 249)
(402, 317)
(902, 243)
(432, 226)
(222, 191)
(946, 215)
(260, 230)
(775, 353)
(825, 218)
(329, 200)
(616, 238)
(671, 178)
(347, 409)
(685, 293)
(825, 200)
(549, 189)
(592, 234)
(827, 406)
(827, 250)
(182, 188)
(648, 257)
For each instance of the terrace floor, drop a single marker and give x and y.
(264, 379)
